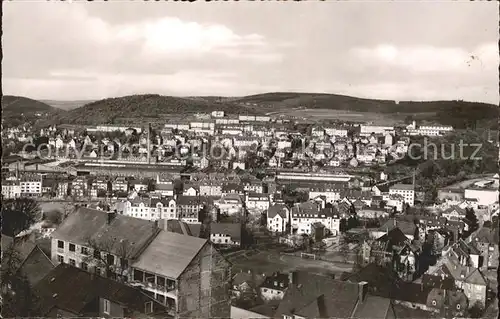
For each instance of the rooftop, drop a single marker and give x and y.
(169, 254)
(87, 225)
(72, 289)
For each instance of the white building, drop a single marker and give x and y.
(31, 186)
(304, 215)
(278, 216)
(150, 208)
(334, 131)
(484, 196)
(11, 189)
(367, 130)
(407, 191)
(255, 201)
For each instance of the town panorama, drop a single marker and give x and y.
(129, 196)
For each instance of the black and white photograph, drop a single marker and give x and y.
(250, 159)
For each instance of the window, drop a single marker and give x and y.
(60, 259)
(60, 244)
(72, 262)
(265, 290)
(106, 306)
(110, 259)
(85, 251)
(84, 266)
(72, 247)
(97, 254)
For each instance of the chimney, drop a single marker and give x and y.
(362, 290)
(111, 216)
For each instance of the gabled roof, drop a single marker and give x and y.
(72, 289)
(381, 280)
(90, 224)
(317, 296)
(407, 227)
(169, 254)
(277, 209)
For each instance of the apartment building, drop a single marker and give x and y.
(406, 191)
(120, 184)
(151, 208)
(278, 216)
(188, 207)
(304, 215)
(11, 189)
(31, 186)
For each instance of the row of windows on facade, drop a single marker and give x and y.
(110, 259)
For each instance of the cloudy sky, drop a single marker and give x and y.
(396, 50)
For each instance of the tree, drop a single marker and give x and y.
(54, 216)
(18, 214)
(476, 311)
(102, 255)
(343, 225)
(471, 217)
(18, 298)
(352, 222)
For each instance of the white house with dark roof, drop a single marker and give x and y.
(278, 216)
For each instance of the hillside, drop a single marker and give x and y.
(17, 110)
(460, 114)
(66, 105)
(143, 107)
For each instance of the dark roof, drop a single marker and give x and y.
(407, 227)
(90, 224)
(176, 226)
(433, 281)
(373, 307)
(394, 237)
(277, 209)
(380, 279)
(276, 281)
(36, 266)
(72, 289)
(411, 292)
(195, 229)
(317, 296)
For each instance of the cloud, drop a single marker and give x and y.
(429, 59)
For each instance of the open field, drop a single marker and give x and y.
(261, 261)
(67, 105)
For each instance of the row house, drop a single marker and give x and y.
(181, 272)
(62, 188)
(304, 215)
(245, 141)
(336, 131)
(232, 188)
(331, 192)
(11, 189)
(151, 208)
